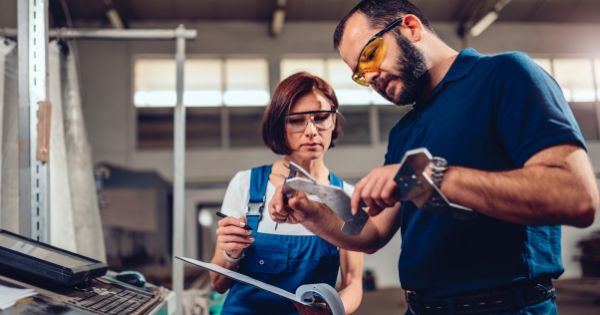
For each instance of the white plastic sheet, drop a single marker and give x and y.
(62, 227)
(86, 213)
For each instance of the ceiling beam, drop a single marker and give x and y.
(278, 19)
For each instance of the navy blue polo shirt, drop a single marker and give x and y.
(489, 113)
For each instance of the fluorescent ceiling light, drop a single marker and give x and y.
(278, 21)
(114, 18)
(483, 24)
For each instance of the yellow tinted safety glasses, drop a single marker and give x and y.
(372, 55)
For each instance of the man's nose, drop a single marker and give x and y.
(371, 77)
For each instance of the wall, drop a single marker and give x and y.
(105, 70)
(8, 13)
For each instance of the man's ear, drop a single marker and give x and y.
(412, 28)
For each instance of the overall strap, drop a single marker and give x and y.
(259, 178)
(335, 181)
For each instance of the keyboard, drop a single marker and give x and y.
(104, 297)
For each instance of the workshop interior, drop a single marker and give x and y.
(124, 121)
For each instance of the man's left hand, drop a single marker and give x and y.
(378, 190)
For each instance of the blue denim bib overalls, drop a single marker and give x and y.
(286, 261)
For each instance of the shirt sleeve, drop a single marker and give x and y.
(235, 202)
(531, 111)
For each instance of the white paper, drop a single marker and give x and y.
(9, 296)
(304, 293)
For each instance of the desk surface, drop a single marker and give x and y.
(54, 301)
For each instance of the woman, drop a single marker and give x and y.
(300, 124)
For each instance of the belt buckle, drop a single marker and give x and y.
(544, 292)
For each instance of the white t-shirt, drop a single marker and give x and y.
(236, 199)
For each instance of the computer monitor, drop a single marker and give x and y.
(39, 261)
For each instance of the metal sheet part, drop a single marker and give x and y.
(415, 186)
(336, 199)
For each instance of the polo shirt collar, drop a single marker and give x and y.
(461, 67)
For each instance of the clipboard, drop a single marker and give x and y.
(309, 295)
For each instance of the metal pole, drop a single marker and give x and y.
(24, 167)
(374, 124)
(179, 171)
(33, 89)
(130, 34)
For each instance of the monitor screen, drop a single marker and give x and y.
(39, 251)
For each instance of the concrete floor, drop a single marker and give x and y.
(574, 297)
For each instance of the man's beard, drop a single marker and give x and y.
(413, 74)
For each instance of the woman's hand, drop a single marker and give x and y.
(232, 237)
(294, 209)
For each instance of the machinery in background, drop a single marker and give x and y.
(136, 213)
(590, 255)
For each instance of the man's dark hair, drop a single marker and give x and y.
(380, 13)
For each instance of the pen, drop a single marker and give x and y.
(222, 215)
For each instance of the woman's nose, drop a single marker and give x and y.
(310, 129)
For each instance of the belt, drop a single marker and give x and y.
(495, 300)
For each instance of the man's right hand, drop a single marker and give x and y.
(232, 237)
(378, 190)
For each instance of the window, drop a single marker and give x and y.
(208, 82)
(348, 92)
(291, 66)
(355, 126)
(545, 64)
(154, 83)
(336, 73)
(575, 78)
(585, 115)
(246, 82)
(203, 82)
(244, 127)
(155, 128)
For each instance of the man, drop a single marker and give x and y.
(515, 156)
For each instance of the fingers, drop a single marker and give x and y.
(279, 217)
(232, 230)
(233, 249)
(298, 201)
(377, 190)
(356, 195)
(231, 221)
(371, 193)
(231, 238)
(277, 209)
(278, 213)
(373, 211)
(389, 193)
